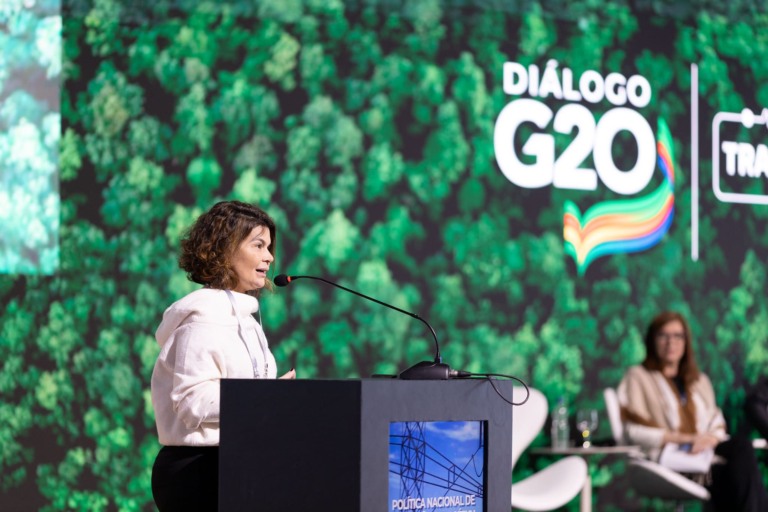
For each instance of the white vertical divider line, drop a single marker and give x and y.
(694, 162)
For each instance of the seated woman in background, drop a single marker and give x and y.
(667, 399)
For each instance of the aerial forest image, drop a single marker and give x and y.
(536, 179)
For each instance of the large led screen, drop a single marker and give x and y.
(30, 128)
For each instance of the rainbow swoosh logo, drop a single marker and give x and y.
(623, 226)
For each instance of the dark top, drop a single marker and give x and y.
(756, 406)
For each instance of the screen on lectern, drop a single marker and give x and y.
(437, 466)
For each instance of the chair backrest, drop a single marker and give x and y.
(527, 419)
(613, 408)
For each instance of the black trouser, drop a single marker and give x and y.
(737, 485)
(186, 478)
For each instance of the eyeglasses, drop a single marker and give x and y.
(673, 336)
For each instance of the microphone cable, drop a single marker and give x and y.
(490, 378)
(461, 374)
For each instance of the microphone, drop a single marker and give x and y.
(425, 370)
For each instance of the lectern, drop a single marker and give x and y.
(325, 445)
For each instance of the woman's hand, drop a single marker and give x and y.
(290, 375)
(703, 442)
(698, 442)
(671, 436)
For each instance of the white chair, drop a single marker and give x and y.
(558, 483)
(649, 478)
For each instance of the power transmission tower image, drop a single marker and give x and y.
(436, 466)
(413, 458)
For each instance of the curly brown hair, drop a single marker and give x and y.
(688, 369)
(208, 246)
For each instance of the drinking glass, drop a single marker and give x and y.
(586, 422)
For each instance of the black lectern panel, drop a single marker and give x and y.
(323, 445)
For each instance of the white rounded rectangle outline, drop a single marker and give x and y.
(730, 197)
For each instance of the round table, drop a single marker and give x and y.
(586, 492)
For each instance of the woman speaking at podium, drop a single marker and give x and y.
(208, 335)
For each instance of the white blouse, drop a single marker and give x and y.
(200, 344)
